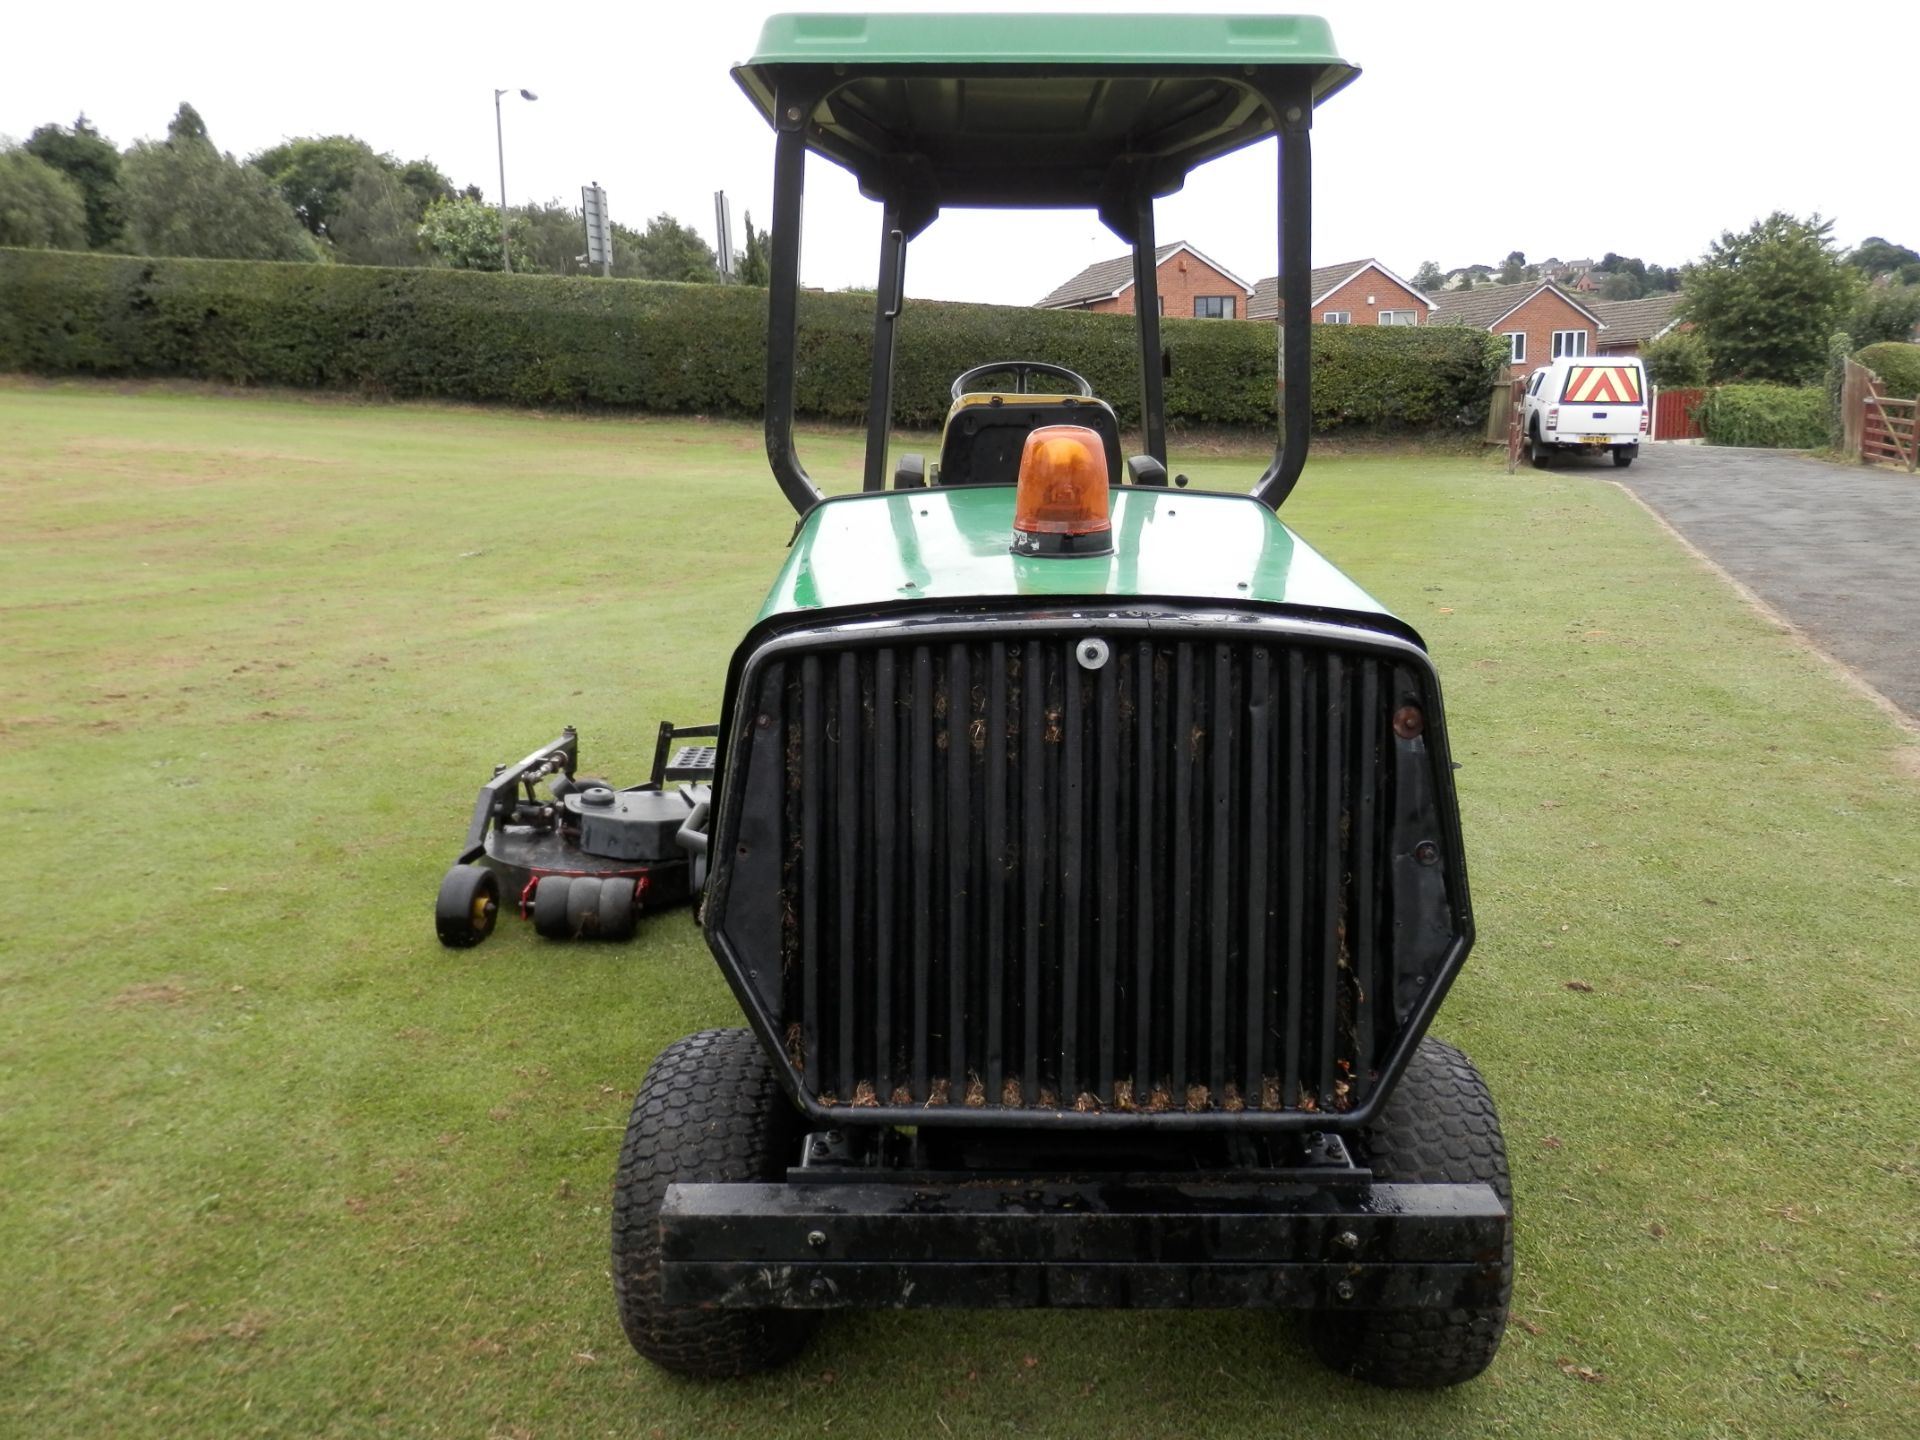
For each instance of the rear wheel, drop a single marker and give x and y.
(1623, 456)
(583, 907)
(616, 908)
(710, 1111)
(550, 907)
(1536, 452)
(1439, 1127)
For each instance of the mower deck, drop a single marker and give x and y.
(586, 859)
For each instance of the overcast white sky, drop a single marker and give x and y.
(1563, 129)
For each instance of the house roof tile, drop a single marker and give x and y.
(1105, 279)
(1324, 279)
(1485, 306)
(1642, 319)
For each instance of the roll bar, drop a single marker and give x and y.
(1127, 210)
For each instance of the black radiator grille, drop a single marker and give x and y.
(1171, 882)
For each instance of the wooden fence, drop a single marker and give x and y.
(1499, 412)
(1878, 428)
(1515, 403)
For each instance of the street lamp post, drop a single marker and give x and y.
(500, 146)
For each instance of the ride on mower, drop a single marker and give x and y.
(1084, 855)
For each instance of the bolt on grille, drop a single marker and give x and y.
(1142, 876)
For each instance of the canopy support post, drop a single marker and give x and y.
(783, 298)
(889, 297)
(1146, 309)
(1296, 297)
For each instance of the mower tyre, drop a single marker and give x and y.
(467, 906)
(1438, 1127)
(550, 907)
(616, 908)
(710, 1111)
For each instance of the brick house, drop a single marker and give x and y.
(1630, 324)
(1540, 321)
(1357, 292)
(1190, 284)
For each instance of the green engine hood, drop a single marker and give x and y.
(869, 552)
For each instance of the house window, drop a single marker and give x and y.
(1569, 342)
(1518, 340)
(1399, 317)
(1213, 307)
(1337, 317)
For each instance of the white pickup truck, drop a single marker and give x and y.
(1587, 403)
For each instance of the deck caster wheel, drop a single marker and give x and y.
(550, 907)
(617, 906)
(583, 907)
(467, 906)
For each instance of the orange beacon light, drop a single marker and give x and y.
(1060, 507)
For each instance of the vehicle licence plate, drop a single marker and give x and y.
(1596, 439)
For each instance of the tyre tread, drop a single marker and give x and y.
(1438, 1126)
(710, 1109)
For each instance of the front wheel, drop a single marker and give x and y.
(1622, 456)
(1438, 1127)
(710, 1111)
(467, 906)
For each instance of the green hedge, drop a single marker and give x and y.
(557, 341)
(1897, 364)
(1780, 417)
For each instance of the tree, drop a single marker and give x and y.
(1429, 277)
(426, 182)
(668, 250)
(1621, 277)
(1678, 358)
(39, 207)
(90, 161)
(1885, 312)
(184, 197)
(555, 236)
(375, 221)
(1515, 270)
(465, 234)
(756, 261)
(186, 124)
(1765, 300)
(1874, 256)
(365, 203)
(314, 174)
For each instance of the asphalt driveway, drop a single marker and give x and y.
(1835, 550)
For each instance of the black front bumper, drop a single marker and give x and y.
(1142, 1243)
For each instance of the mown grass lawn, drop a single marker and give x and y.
(276, 1163)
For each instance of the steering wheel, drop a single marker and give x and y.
(1020, 369)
